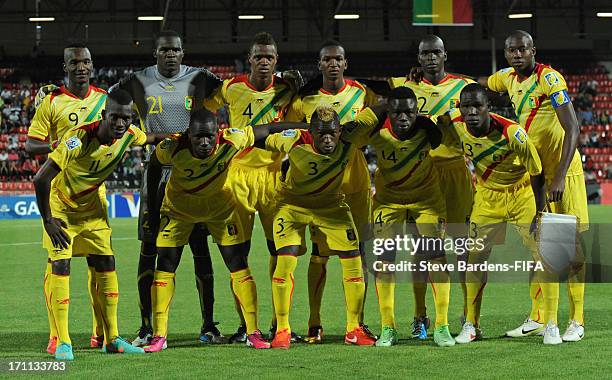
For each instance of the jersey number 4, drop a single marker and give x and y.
(247, 111)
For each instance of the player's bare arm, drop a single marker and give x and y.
(42, 184)
(569, 122)
(262, 131)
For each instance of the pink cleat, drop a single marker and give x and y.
(52, 345)
(157, 344)
(257, 341)
(96, 341)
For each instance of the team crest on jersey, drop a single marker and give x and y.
(73, 143)
(454, 103)
(232, 230)
(534, 101)
(551, 79)
(520, 136)
(289, 133)
(188, 102)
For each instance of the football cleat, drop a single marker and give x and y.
(64, 352)
(240, 336)
(52, 345)
(419, 327)
(528, 328)
(145, 334)
(158, 343)
(358, 337)
(315, 335)
(295, 338)
(121, 346)
(388, 337)
(442, 337)
(282, 339)
(551, 334)
(211, 334)
(367, 330)
(96, 341)
(468, 334)
(257, 341)
(574, 332)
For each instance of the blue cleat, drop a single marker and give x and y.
(121, 346)
(64, 352)
(419, 327)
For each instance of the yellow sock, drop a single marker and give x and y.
(271, 267)
(385, 290)
(354, 290)
(237, 305)
(162, 292)
(475, 289)
(96, 312)
(575, 293)
(317, 273)
(282, 289)
(108, 298)
(535, 293)
(59, 296)
(440, 284)
(47, 292)
(550, 301)
(243, 286)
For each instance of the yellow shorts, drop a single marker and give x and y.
(226, 222)
(255, 189)
(89, 230)
(428, 215)
(333, 227)
(574, 201)
(456, 185)
(493, 209)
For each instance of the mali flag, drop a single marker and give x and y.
(442, 12)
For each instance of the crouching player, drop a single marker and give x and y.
(75, 219)
(311, 196)
(508, 170)
(198, 193)
(407, 192)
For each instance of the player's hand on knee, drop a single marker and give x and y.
(59, 237)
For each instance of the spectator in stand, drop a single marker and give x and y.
(13, 158)
(26, 170)
(4, 167)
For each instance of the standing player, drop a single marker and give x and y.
(347, 98)
(75, 218)
(62, 110)
(407, 192)
(311, 196)
(252, 99)
(165, 95)
(437, 93)
(544, 109)
(507, 167)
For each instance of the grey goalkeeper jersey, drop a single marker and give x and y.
(165, 104)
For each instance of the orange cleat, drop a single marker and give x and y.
(358, 337)
(52, 345)
(282, 339)
(96, 341)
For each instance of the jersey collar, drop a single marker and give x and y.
(249, 85)
(324, 91)
(65, 91)
(446, 77)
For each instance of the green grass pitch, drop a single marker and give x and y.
(23, 324)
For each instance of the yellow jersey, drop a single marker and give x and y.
(61, 112)
(248, 106)
(437, 100)
(504, 158)
(199, 177)
(534, 101)
(405, 168)
(351, 99)
(86, 163)
(313, 179)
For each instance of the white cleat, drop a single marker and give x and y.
(144, 337)
(551, 334)
(468, 334)
(574, 332)
(528, 328)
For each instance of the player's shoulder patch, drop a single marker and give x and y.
(289, 133)
(559, 98)
(551, 78)
(73, 142)
(520, 135)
